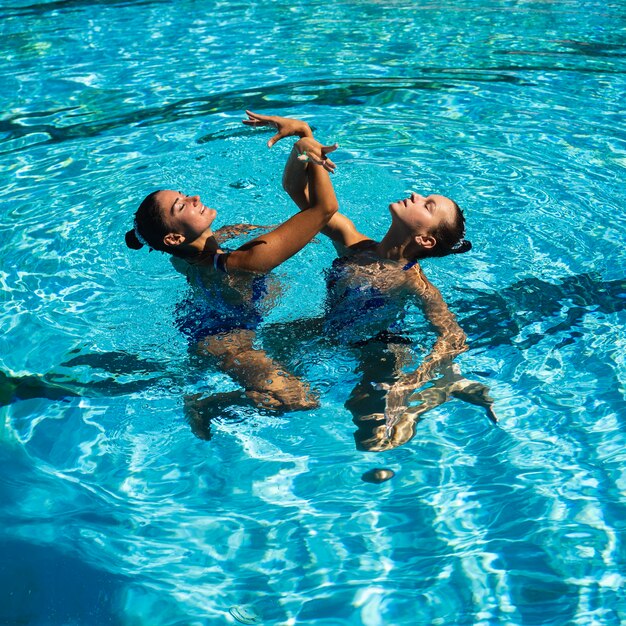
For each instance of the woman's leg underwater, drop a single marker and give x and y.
(380, 362)
(264, 380)
(266, 384)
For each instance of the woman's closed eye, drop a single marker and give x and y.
(180, 202)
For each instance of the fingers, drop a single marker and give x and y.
(319, 157)
(255, 119)
(252, 119)
(491, 414)
(310, 157)
(329, 166)
(275, 138)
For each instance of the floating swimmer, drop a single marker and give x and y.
(368, 287)
(230, 285)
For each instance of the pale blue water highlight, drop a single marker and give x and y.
(114, 513)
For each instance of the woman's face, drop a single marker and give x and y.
(421, 214)
(185, 215)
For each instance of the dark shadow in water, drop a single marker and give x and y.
(336, 93)
(57, 386)
(537, 589)
(40, 9)
(15, 388)
(585, 49)
(41, 585)
(116, 363)
(492, 319)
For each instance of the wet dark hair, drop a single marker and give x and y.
(150, 227)
(450, 236)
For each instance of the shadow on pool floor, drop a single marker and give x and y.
(40, 585)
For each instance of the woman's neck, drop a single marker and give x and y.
(204, 246)
(394, 245)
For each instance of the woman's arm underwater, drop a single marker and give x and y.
(451, 339)
(450, 342)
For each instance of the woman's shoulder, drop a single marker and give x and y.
(358, 252)
(363, 246)
(211, 264)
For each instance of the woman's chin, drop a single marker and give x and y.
(397, 211)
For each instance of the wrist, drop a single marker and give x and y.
(305, 130)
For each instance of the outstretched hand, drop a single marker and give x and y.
(286, 126)
(476, 393)
(312, 151)
(309, 149)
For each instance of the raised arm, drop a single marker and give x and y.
(295, 180)
(265, 252)
(340, 229)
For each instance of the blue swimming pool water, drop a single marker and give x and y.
(113, 512)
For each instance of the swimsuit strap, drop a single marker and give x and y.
(220, 264)
(409, 265)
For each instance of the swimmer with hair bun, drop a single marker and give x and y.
(231, 286)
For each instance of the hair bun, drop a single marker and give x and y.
(131, 240)
(462, 246)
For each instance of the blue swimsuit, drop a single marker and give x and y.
(207, 312)
(357, 311)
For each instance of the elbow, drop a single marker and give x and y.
(331, 207)
(327, 209)
(459, 342)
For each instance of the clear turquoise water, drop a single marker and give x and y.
(114, 513)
